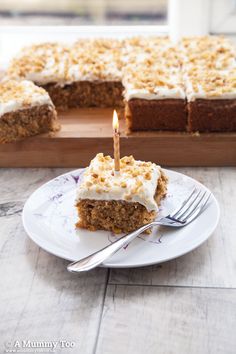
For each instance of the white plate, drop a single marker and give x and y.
(49, 217)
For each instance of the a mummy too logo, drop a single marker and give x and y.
(37, 346)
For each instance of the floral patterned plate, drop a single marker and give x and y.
(49, 218)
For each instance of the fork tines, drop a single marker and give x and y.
(191, 206)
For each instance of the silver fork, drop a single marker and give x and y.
(182, 216)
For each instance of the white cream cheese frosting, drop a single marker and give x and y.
(16, 95)
(209, 68)
(157, 93)
(42, 63)
(136, 182)
(150, 68)
(84, 60)
(212, 84)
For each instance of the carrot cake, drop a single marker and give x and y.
(154, 90)
(25, 110)
(188, 86)
(119, 202)
(211, 101)
(84, 74)
(209, 72)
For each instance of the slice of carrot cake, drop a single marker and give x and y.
(95, 73)
(25, 110)
(41, 63)
(209, 72)
(84, 74)
(119, 202)
(154, 91)
(211, 100)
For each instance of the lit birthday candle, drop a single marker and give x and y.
(116, 140)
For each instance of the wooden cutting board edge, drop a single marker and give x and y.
(85, 132)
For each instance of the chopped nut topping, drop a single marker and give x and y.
(128, 197)
(98, 190)
(148, 175)
(99, 176)
(96, 58)
(24, 92)
(209, 67)
(122, 186)
(146, 65)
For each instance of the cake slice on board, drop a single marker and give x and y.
(209, 72)
(154, 90)
(86, 73)
(25, 110)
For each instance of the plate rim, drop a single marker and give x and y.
(121, 265)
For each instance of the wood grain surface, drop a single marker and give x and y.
(185, 306)
(167, 320)
(85, 132)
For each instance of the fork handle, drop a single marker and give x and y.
(100, 256)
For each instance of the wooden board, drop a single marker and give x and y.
(86, 132)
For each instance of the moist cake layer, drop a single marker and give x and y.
(212, 115)
(20, 124)
(168, 114)
(86, 94)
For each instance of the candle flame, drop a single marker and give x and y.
(115, 121)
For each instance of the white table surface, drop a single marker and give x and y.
(185, 306)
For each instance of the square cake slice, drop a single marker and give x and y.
(119, 202)
(25, 110)
(86, 73)
(211, 101)
(154, 91)
(94, 73)
(209, 72)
